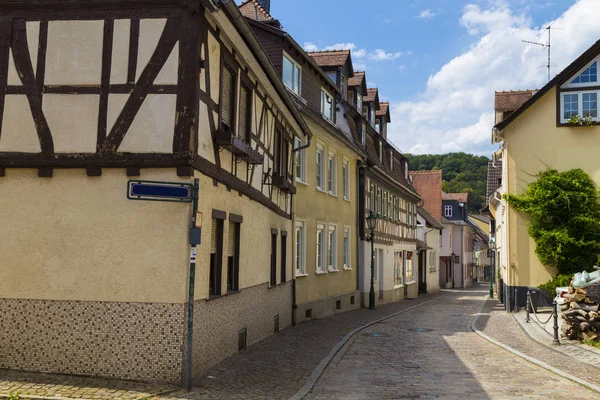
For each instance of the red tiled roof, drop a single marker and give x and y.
(462, 197)
(511, 100)
(429, 186)
(357, 79)
(371, 95)
(330, 58)
(253, 9)
(383, 109)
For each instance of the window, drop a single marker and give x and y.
(397, 268)
(331, 248)
(319, 168)
(346, 180)
(273, 257)
(590, 104)
(377, 126)
(331, 172)
(216, 257)
(372, 116)
(344, 86)
(245, 117)
(380, 151)
(409, 273)
(587, 76)
(326, 105)
(359, 105)
(379, 204)
(320, 247)
(291, 74)
(233, 256)
(300, 162)
(347, 249)
(373, 202)
(363, 134)
(350, 97)
(228, 91)
(570, 105)
(447, 211)
(391, 161)
(385, 204)
(282, 150)
(300, 249)
(283, 264)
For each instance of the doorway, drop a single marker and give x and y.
(422, 272)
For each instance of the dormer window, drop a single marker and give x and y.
(588, 76)
(377, 126)
(291, 74)
(326, 105)
(344, 87)
(581, 100)
(372, 117)
(363, 134)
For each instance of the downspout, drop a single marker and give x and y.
(360, 188)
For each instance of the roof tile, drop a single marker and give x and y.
(330, 58)
(511, 100)
(254, 10)
(494, 178)
(371, 95)
(357, 79)
(429, 187)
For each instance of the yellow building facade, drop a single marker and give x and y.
(537, 136)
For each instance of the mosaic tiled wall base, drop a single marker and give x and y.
(122, 340)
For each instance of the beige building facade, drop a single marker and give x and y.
(535, 136)
(140, 91)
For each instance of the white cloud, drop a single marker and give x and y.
(359, 53)
(497, 17)
(387, 21)
(401, 67)
(382, 55)
(455, 111)
(359, 66)
(309, 46)
(426, 14)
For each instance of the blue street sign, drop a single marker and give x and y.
(160, 191)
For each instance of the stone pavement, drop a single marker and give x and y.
(434, 354)
(274, 368)
(544, 334)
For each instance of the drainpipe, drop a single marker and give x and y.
(360, 179)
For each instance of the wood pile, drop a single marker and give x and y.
(581, 316)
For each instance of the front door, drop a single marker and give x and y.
(422, 271)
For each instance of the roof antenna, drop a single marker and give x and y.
(544, 45)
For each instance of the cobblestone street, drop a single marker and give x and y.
(434, 354)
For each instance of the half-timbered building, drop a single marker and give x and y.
(384, 189)
(95, 95)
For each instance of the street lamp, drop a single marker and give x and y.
(453, 260)
(371, 223)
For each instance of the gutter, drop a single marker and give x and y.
(240, 23)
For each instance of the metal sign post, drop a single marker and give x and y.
(194, 240)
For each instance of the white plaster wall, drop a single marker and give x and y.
(33, 33)
(150, 33)
(153, 127)
(18, 129)
(205, 142)
(120, 52)
(74, 55)
(73, 121)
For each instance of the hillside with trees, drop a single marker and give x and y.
(461, 172)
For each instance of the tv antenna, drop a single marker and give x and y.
(544, 45)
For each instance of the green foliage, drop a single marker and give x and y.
(461, 172)
(14, 396)
(565, 219)
(560, 280)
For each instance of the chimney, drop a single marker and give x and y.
(266, 4)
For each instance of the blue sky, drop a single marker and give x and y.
(439, 61)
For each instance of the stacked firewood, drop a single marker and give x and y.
(581, 316)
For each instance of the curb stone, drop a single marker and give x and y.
(532, 360)
(320, 368)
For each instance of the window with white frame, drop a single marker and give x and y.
(347, 248)
(447, 211)
(331, 174)
(326, 105)
(377, 126)
(320, 247)
(346, 180)
(363, 134)
(373, 116)
(331, 248)
(359, 105)
(373, 203)
(291, 74)
(300, 162)
(385, 204)
(579, 101)
(320, 166)
(300, 248)
(379, 203)
(408, 267)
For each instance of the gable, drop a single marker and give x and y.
(586, 76)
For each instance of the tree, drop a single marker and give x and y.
(565, 219)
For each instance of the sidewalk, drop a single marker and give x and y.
(275, 368)
(506, 329)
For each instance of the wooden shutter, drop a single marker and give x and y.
(227, 88)
(231, 239)
(213, 236)
(244, 113)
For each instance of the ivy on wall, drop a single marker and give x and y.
(565, 219)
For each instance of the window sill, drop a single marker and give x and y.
(346, 199)
(333, 270)
(333, 194)
(296, 95)
(321, 190)
(410, 283)
(317, 272)
(301, 182)
(277, 285)
(301, 275)
(347, 268)
(220, 296)
(398, 286)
